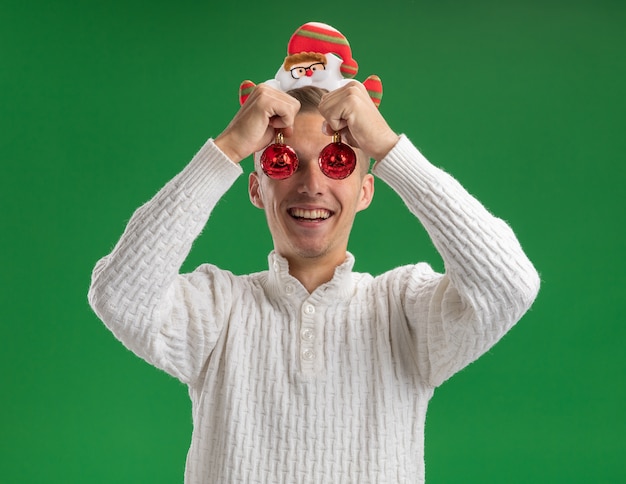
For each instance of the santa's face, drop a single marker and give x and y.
(311, 73)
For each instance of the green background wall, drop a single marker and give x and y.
(102, 102)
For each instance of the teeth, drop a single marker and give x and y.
(310, 214)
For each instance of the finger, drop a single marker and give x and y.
(351, 111)
(279, 107)
(330, 130)
(341, 107)
(253, 127)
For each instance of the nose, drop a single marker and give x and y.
(311, 180)
(309, 72)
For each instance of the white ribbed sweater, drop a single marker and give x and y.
(332, 386)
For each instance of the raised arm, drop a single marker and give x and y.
(137, 290)
(488, 284)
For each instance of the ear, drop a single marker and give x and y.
(254, 190)
(367, 192)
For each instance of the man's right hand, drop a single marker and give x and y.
(254, 125)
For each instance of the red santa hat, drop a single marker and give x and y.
(322, 38)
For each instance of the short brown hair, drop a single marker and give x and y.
(309, 97)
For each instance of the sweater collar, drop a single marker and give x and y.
(281, 284)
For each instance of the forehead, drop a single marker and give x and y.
(307, 129)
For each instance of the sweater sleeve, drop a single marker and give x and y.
(488, 284)
(137, 290)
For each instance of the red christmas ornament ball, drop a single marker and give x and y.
(337, 160)
(279, 161)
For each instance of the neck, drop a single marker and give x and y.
(312, 273)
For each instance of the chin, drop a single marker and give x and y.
(310, 252)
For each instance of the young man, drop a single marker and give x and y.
(310, 372)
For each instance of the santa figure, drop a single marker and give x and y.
(317, 55)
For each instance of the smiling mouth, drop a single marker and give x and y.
(315, 214)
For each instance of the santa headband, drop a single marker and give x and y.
(317, 55)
